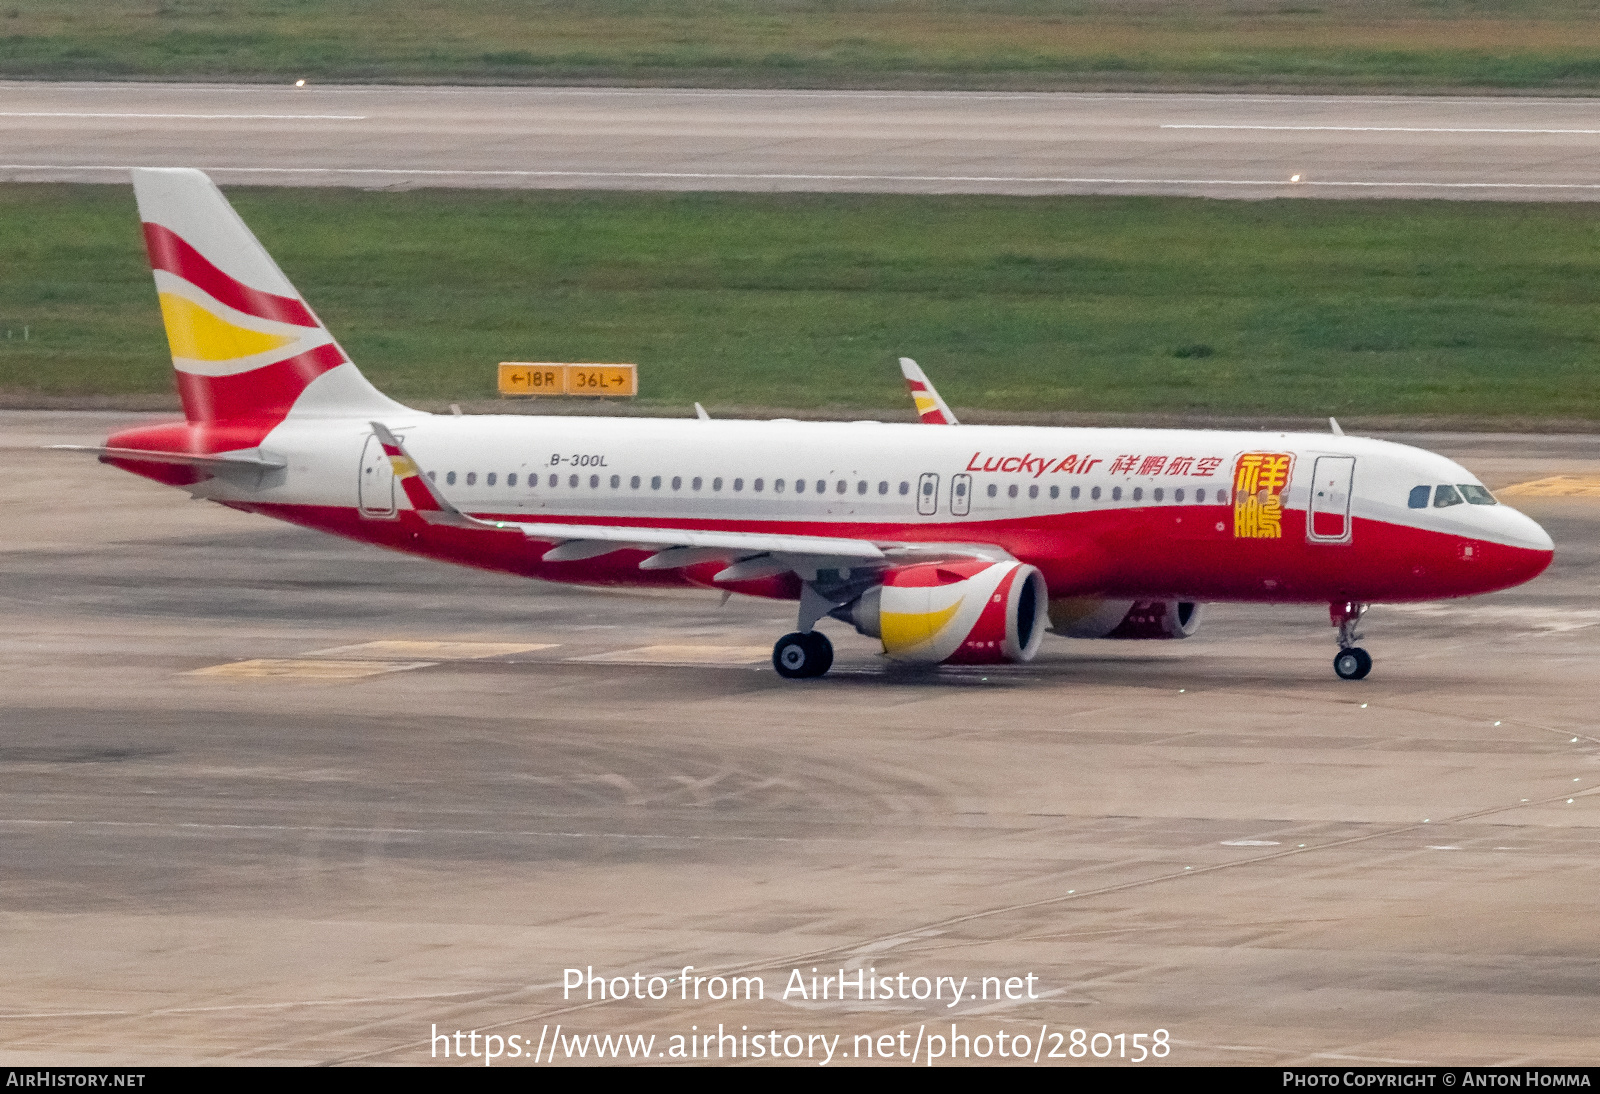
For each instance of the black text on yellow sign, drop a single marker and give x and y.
(552, 378)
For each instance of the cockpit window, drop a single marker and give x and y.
(1419, 497)
(1476, 495)
(1445, 496)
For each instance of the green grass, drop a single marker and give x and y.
(950, 43)
(1074, 303)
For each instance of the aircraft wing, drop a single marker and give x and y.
(750, 554)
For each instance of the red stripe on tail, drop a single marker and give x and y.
(263, 395)
(170, 252)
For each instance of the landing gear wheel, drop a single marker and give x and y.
(799, 656)
(1353, 663)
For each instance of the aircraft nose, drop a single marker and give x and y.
(1523, 531)
(1525, 550)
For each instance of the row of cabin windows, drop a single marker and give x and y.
(696, 483)
(1446, 495)
(1158, 494)
(842, 486)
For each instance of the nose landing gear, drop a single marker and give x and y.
(1352, 662)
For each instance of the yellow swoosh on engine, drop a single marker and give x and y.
(902, 629)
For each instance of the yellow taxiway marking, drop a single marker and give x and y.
(1556, 486)
(304, 669)
(685, 655)
(433, 651)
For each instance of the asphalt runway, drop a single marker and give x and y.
(1213, 145)
(274, 797)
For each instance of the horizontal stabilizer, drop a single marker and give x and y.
(221, 461)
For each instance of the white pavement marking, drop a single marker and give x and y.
(1374, 129)
(200, 117)
(302, 669)
(436, 651)
(775, 177)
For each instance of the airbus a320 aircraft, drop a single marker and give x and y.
(960, 544)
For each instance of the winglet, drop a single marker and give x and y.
(930, 406)
(423, 495)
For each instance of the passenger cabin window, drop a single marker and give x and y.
(633, 483)
(993, 490)
(1055, 492)
(1076, 490)
(905, 488)
(799, 486)
(1095, 494)
(1419, 497)
(511, 479)
(1157, 493)
(883, 488)
(757, 485)
(555, 480)
(616, 481)
(861, 487)
(655, 482)
(572, 481)
(1444, 496)
(777, 485)
(695, 485)
(1033, 491)
(449, 478)
(1116, 493)
(716, 484)
(489, 479)
(677, 482)
(1199, 495)
(472, 478)
(1476, 495)
(433, 476)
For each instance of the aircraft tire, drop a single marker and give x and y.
(800, 656)
(1353, 663)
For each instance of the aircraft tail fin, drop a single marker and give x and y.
(930, 407)
(245, 345)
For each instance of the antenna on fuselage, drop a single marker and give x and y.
(700, 412)
(1333, 424)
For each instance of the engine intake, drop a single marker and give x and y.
(1086, 618)
(964, 612)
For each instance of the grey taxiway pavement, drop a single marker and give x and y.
(914, 142)
(269, 796)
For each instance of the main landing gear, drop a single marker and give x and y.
(802, 654)
(1352, 662)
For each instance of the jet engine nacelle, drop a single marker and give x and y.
(969, 612)
(1085, 618)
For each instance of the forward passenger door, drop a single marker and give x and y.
(1328, 515)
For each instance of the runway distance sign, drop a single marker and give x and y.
(555, 378)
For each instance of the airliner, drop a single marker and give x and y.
(948, 543)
